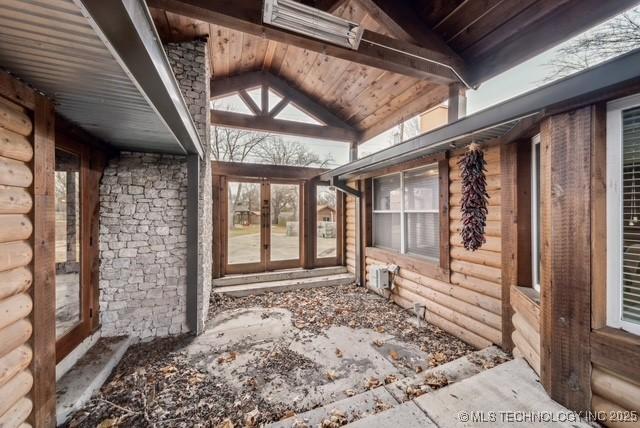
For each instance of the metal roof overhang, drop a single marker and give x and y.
(105, 68)
(499, 119)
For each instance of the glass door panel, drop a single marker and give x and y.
(67, 249)
(326, 222)
(244, 220)
(285, 222)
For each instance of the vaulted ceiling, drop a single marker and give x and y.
(479, 38)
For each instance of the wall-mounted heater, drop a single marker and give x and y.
(299, 18)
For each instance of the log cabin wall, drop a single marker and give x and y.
(525, 302)
(16, 253)
(466, 301)
(350, 229)
(27, 298)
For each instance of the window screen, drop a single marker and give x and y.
(406, 212)
(631, 215)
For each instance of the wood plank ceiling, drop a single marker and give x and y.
(482, 32)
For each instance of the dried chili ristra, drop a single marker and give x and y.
(474, 197)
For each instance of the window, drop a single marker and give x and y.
(536, 254)
(623, 214)
(406, 211)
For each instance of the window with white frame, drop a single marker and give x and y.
(406, 212)
(623, 214)
(536, 254)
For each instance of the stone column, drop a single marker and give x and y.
(191, 66)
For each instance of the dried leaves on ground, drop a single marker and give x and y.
(157, 385)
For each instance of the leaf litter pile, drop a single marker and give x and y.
(156, 383)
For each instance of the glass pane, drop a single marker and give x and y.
(244, 223)
(631, 215)
(423, 234)
(67, 232)
(421, 189)
(326, 230)
(285, 222)
(387, 193)
(386, 231)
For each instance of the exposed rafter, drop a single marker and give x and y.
(265, 118)
(375, 50)
(405, 24)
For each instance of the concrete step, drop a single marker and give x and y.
(405, 415)
(454, 371)
(285, 285)
(351, 408)
(77, 386)
(281, 275)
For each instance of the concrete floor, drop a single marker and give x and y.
(324, 367)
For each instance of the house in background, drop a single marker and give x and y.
(114, 217)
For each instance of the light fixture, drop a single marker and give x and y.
(299, 18)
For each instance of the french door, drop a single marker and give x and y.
(73, 283)
(263, 230)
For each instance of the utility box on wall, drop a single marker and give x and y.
(380, 277)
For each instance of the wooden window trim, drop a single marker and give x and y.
(616, 350)
(436, 269)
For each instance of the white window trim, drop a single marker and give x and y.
(535, 141)
(614, 212)
(402, 211)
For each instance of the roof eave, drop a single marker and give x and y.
(579, 86)
(126, 27)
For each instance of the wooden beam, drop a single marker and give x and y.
(566, 144)
(534, 30)
(381, 51)
(278, 126)
(242, 82)
(405, 24)
(43, 342)
(254, 170)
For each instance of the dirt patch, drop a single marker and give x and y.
(317, 309)
(157, 384)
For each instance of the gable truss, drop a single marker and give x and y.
(265, 118)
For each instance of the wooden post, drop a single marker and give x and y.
(566, 150)
(509, 234)
(43, 316)
(366, 234)
(457, 102)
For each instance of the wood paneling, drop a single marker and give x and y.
(566, 141)
(17, 247)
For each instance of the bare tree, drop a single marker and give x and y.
(615, 37)
(277, 151)
(235, 145)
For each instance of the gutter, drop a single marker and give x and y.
(126, 28)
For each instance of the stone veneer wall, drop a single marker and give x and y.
(143, 241)
(143, 223)
(191, 66)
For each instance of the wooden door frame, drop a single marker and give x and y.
(75, 336)
(265, 264)
(291, 263)
(313, 220)
(240, 268)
